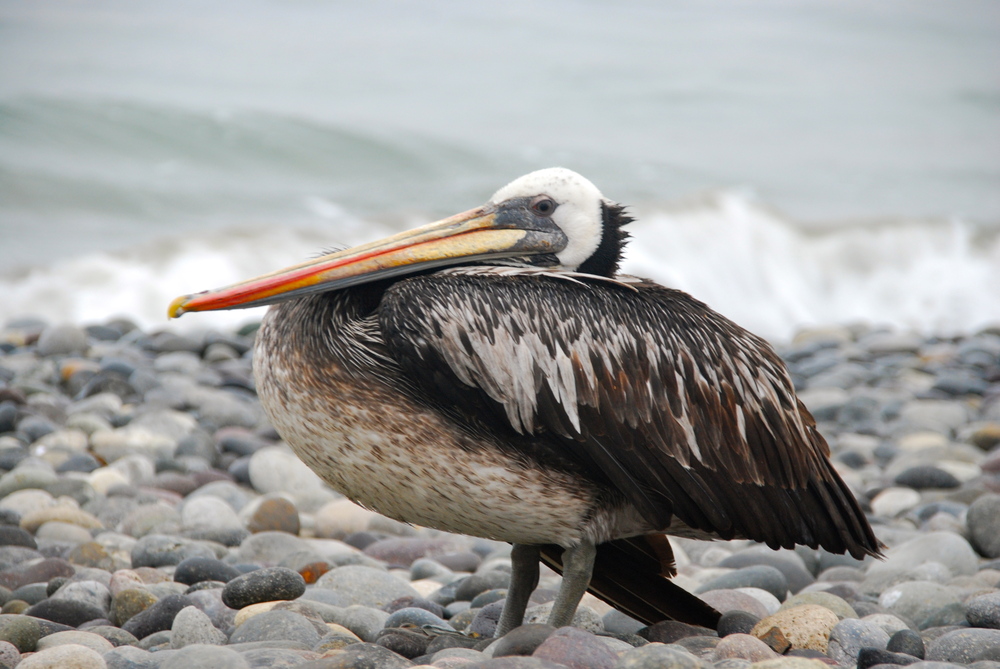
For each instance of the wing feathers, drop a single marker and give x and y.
(683, 411)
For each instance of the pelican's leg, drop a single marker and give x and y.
(523, 581)
(578, 565)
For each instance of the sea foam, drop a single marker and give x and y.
(763, 271)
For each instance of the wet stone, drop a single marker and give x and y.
(870, 657)
(197, 569)
(200, 656)
(21, 631)
(366, 586)
(522, 640)
(906, 641)
(44, 570)
(849, 636)
(263, 585)
(409, 643)
(158, 617)
(61, 657)
(984, 610)
(275, 514)
(571, 647)
(192, 626)
(742, 646)
(964, 646)
(414, 602)
(616, 622)
(15, 536)
(156, 550)
(478, 583)
(364, 656)
(737, 622)
(277, 658)
(983, 521)
(415, 617)
(765, 577)
(926, 476)
(115, 635)
(277, 625)
(93, 641)
(31, 593)
(787, 562)
(655, 656)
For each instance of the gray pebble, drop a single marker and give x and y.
(849, 636)
(62, 340)
(656, 656)
(765, 577)
(131, 657)
(156, 550)
(275, 625)
(364, 621)
(92, 593)
(263, 585)
(192, 626)
(964, 646)
(984, 610)
(906, 641)
(983, 521)
(365, 585)
(787, 562)
(205, 657)
(923, 477)
(414, 616)
(369, 655)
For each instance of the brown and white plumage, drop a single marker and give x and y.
(491, 374)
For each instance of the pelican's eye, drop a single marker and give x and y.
(543, 205)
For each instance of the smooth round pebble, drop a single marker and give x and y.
(657, 656)
(984, 610)
(205, 657)
(64, 657)
(964, 646)
(157, 618)
(918, 600)
(366, 586)
(276, 625)
(764, 577)
(197, 569)
(906, 641)
(275, 514)
(93, 641)
(871, 657)
(572, 647)
(743, 646)
(726, 600)
(850, 635)
(737, 622)
(191, 626)
(263, 585)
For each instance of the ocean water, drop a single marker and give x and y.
(791, 164)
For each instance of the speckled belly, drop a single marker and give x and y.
(380, 449)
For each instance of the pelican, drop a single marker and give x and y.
(493, 374)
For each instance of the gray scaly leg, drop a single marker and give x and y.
(523, 580)
(578, 565)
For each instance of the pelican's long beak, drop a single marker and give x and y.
(479, 234)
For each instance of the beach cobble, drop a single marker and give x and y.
(151, 517)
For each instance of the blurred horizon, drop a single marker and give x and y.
(185, 128)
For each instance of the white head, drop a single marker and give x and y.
(578, 213)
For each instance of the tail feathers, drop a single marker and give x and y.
(633, 575)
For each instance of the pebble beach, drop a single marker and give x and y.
(150, 517)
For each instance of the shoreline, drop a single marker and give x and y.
(139, 479)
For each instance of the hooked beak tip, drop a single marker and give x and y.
(176, 309)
